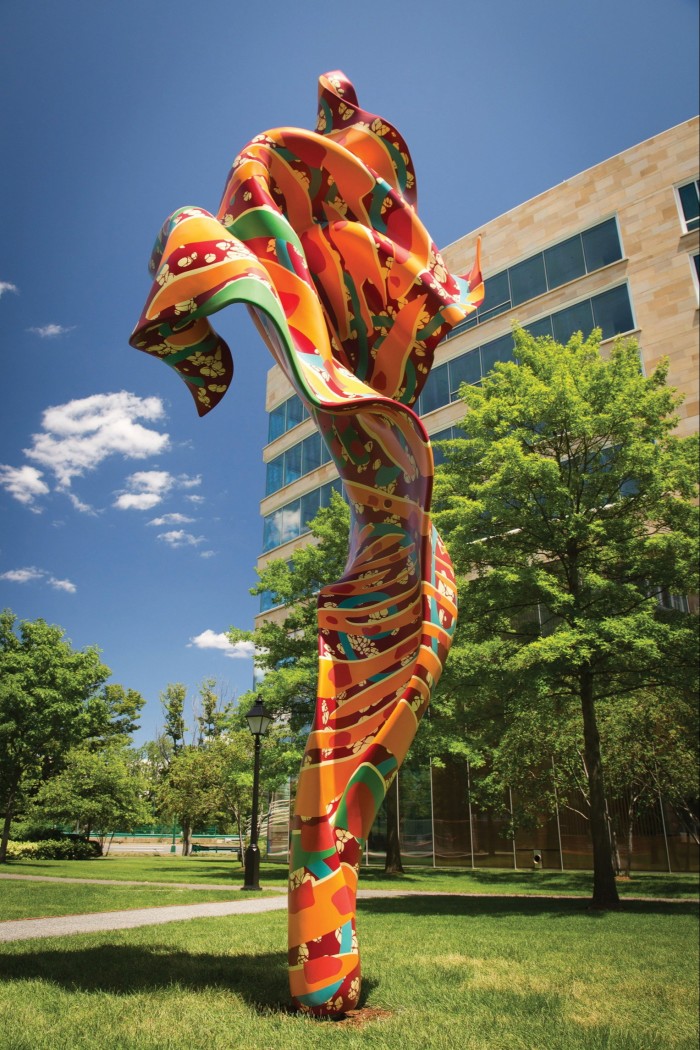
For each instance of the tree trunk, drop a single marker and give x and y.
(630, 825)
(186, 835)
(393, 865)
(9, 812)
(604, 886)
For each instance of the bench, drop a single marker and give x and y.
(216, 848)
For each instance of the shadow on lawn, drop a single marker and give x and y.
(493, 907)
(261, 980)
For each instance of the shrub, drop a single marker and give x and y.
(54, 849)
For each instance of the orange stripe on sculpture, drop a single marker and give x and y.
(318, 235)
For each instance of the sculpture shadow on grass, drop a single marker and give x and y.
(119, 969)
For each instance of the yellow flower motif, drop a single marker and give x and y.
(302, 953)
(321, 122)
(217, 388)
(345, 111)
(203, 396)
(213, 366)
(164, 275)
(378, 127)
(186, 260)
(185, 307)
(247, 195)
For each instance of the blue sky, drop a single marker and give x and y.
(125, 518)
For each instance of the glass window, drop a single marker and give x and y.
(292, 464)
(310, 502)
(601, 245)
(564, 262)
(612, 311)
(296, 413)
(277, 425)
(290, 521)
(325, 494)
(470, 322)
(577, 318)
(696, 264)
(310, 453)
(527, 280)
(496, 296)
(275, 474)
(436, 391)
(268, 601)
(540, 328)
(690, 204)
(271, 531)
(464, 369)
(497, 350)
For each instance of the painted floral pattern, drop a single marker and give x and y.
(318, 234)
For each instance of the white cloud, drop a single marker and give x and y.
(211, 640)
(24, 483)
(5, 286)
(23, 575)
(48, 331)
(180, 538)
(171, 519)
(77, 436)
(137, 501)
(207, 554)
(84, 508)
(195, 499)
(62, 585)
(147, 488)
(31, 574)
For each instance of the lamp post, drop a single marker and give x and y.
(258, 721)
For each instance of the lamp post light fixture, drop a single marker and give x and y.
(258, 721)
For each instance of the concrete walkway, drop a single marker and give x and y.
(99, 922)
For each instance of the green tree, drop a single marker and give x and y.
(102, 791)
(172, 701)
(650, 743)
(114, 714)
(234, 751)
(568, 508)
(191, 792)
(46, 689)
(212, 713)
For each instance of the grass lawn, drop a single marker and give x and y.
(34, 900)
(227, 870)
(440, 973)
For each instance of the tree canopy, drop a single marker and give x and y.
(568, 510)
(47, 689)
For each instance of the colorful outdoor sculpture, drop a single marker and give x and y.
(318, 234)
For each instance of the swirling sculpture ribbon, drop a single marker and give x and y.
(318, 234)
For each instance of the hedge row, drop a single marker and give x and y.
(53, 849)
